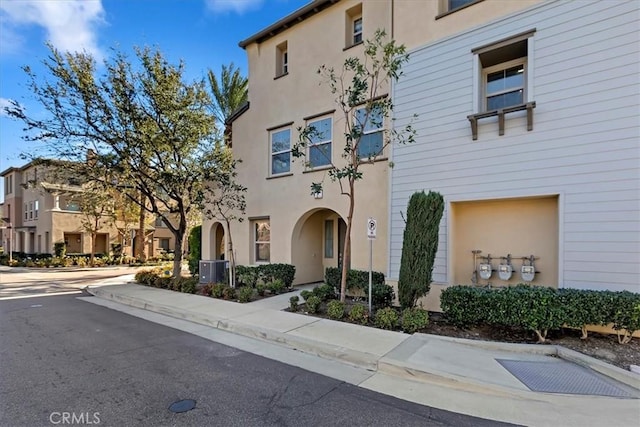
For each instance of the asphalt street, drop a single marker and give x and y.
(61, 356)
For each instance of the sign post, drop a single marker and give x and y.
(372, 226)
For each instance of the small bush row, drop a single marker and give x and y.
(265, 273)
(158, 279)
(356, 279)
(541, 309)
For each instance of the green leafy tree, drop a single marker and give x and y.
(142, 122)
(195, 249)
(97, 209)
(358, 87)
(419, 246)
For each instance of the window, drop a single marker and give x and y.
(357, 30)
(372, 124)
(72, 206)
(26, 211)
(8, 184)
(328, 238)
(280, 151)
(164, 244)
(456, 4)
(504, 74)
(262, 240)
(282, 59)
(30, 210)
(320, 142)
(353, 26)
(36, 205)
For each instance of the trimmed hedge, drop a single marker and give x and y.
(540, 309)
(265, 273)
(356, 279)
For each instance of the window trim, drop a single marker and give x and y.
(255, 241)
(354, 33)
(329, 236)
(273, 131)
(502, 67)
(445, 11)
(282, 59)
(324, 142)
(380, 130)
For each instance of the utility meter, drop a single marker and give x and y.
(505, 271)
(485, 271)
(528, 272)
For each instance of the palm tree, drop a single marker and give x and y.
(229, 93)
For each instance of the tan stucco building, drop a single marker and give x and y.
(39, 210)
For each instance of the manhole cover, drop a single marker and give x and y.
(182, 406)
(564, 377)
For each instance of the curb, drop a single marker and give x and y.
(384, 364)
(305, 345)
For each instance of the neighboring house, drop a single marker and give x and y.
(528, 126)
(285, 222)
(40, 211)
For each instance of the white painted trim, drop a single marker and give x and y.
(530, 67)
(477, 76)
(450, 237)
(561, 202)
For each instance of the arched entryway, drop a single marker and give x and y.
(217, 241)
(316, 243)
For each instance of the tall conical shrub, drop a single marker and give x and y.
(195, 249)
(419, 247)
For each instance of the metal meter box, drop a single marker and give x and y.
(213, 271)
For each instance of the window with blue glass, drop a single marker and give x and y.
(371, 123)
(280, 151)
(320, 142)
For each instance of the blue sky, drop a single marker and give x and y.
(203, 33)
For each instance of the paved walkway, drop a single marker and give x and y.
(486, 379)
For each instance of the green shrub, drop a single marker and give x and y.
(276, 286)
(217, 290)
(625, 315)
(359, 314)
(59, 249)
(386, 318)
(260, 288)
(247, 276)
(382, 295)
(313, 304)
(143, 277)
(245, 294)
(324, 292)
(419, 246)
(582, 308)
(335, 309)
(195, 249)
(293, 303)
(465, 306)
(356, 279)
(162, 282)
(414, 319)
(205, 290)
(229, 293)
(272, 272)
(305, 294)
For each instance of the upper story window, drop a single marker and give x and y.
(280, 151)
(282, 59)
(503, 73)
(261, 240)
(36, 208)
(456, 4)
(445, 7)
(8, 184)
(353, 26)
(371, 123)
(320, 142)
(357, 30)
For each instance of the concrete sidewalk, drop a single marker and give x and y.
(472, 377)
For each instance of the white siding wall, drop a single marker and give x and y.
(585, 145)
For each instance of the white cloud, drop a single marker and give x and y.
(237, 6)
(70, 24)
(4, 102)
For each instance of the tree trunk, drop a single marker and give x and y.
(140, 236)
(346, 251)
(93, 248)
(232, 258)
(179, 235)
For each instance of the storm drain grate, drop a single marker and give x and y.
(564, 377)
